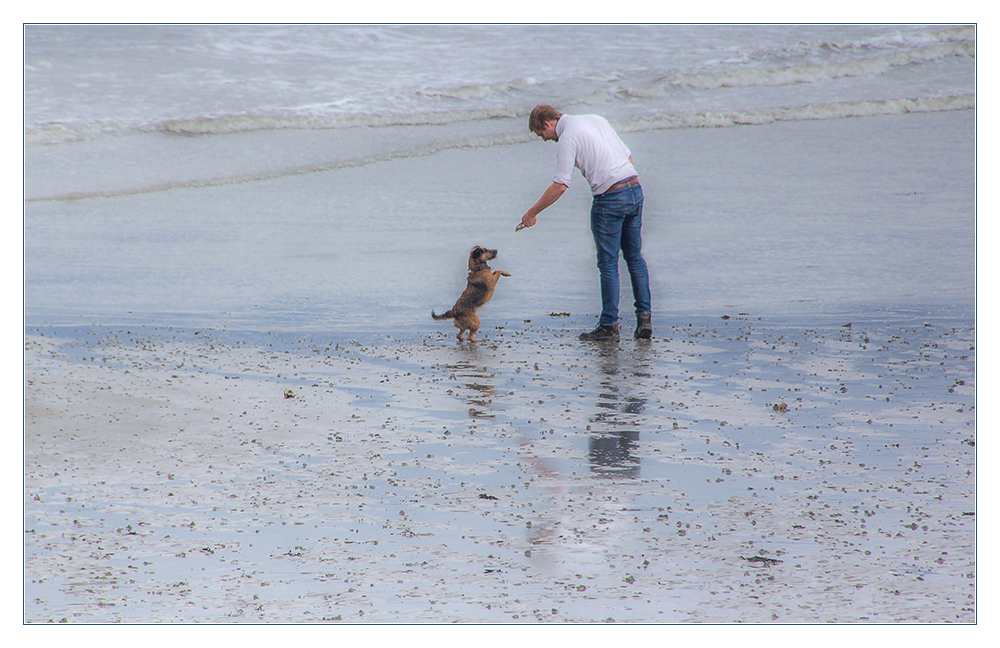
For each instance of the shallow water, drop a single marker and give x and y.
(787, 218)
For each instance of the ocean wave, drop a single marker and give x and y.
(227, 124)
(806, 72)
(809, 112)
(62, 133)
(896, 39)
(816, 62)
(760, 116)
(478, 91)
(66, 132)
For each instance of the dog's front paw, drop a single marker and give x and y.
(505, 273)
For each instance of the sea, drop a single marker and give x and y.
(321, 176)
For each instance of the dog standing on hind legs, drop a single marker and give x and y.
(482, 283)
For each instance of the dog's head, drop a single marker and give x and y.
(480, 255)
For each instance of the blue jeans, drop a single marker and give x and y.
(616, 222)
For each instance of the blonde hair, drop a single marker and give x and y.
(541, 114)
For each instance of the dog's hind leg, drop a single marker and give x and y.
(473, 329)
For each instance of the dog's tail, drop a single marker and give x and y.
(447, 315)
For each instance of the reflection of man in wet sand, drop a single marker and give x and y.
(612, 454)
(610, 448)
(590, 144)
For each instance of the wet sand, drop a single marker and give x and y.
(736, 468)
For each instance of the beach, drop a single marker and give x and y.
(731, 470)
(797, 444)
(237, 408)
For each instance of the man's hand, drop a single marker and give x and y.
(526, 221)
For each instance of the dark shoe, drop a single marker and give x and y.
(603, 333)
(644, 326)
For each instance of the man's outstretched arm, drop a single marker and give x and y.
(552, 194)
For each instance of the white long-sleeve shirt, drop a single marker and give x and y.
(588, 143)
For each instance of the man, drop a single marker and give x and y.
(590, 144)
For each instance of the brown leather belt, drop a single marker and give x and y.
(624, 183)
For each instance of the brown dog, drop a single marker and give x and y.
(482, 283)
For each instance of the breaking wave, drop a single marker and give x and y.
(760, 116)
(248, 122)
(804, 72)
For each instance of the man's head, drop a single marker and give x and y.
(543, 120)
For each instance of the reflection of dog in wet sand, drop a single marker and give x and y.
(482, 282)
